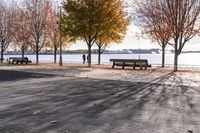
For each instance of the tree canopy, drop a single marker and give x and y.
(37, 13)
(153, 23)
(6, 19)
(178, 20)
(21, 36)
(92, 20)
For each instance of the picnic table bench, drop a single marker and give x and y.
(141, 63)
(18, 60)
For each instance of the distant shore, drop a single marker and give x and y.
(185, 59)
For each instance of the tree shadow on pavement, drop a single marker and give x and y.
(21, 74)
(82, 105)
(10, 75)
(64, 71)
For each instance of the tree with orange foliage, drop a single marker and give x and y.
(183, 21)
(178, 19)
(21, 36)
(88, 20)
(115, 26)
(54, 34)
(6, 16)
(37, 14)
(153, 23)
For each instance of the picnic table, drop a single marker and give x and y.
(141, 63)
(18, 60)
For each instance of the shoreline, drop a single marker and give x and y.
(185, 60)
(95, 66)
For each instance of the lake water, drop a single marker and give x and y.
(185, 59)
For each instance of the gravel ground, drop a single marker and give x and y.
(97, 100)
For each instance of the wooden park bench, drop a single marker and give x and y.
(18, 60)
(141, 63)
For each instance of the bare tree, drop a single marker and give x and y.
(180, 20)
(153, 23)
(54, 29)
(21, 30)
(183, 22)
(37, 12)
(101, 49)
(5, 27)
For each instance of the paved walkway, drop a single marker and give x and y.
(44, 103)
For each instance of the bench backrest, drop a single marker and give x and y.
(138, 62)
(130, 60)
(19, 58)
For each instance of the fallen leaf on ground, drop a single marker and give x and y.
(54, 121)
(36, 112)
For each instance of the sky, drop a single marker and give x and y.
(131, 42)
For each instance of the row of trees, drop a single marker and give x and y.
(37, 23)
(32, 24)
(169, 22)
(5, 27)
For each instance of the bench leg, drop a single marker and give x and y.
(113, 65)
(123, 65)
(140, 67)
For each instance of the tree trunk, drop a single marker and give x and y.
(99, 55)
(37, 53)
(1, 52)
(37, 59)
(60, 60)
(23, 52)
(175, 59)
(163, 56)
(175, 62)
(89, 54)
(55, 53)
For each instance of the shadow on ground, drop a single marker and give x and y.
(21, 74)
(64, 71)
(82, 105)
(10, 75)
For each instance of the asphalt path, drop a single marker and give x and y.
(33, 102)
